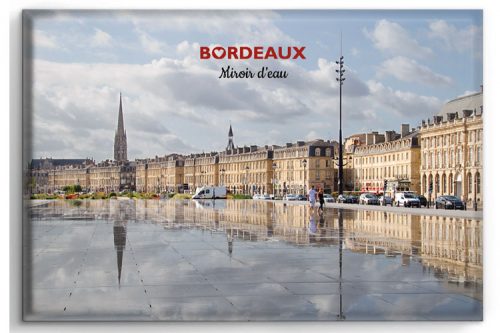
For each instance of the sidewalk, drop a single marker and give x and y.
(403, 210)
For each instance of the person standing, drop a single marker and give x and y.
(321, 197)
(312, 198)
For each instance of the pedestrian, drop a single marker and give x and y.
(321, 197)
(312, 198)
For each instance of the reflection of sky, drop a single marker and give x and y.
(179, 256)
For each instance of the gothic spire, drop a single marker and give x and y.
(121, 127)
(120, 152)
(230, 143)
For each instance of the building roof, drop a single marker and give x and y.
(50, 162)
(468, 102)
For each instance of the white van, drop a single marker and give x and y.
(210, 192)
(406, 199)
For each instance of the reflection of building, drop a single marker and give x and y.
(382, 232)
(452, 150)
(453, 245)
(395, 159)
(302, 165)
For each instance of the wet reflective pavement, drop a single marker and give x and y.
(246, 260)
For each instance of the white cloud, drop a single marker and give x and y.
(409, 70)
(44, 40)
(409, 105)
(455, 39)
(393, 38)
(246, 27)
(101, 38)
(150, 44)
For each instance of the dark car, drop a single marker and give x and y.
(301, 197)
(350, 199)
(449, 202)
(423, 200)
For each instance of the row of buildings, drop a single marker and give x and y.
(441, 156)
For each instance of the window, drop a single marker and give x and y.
(317, 174)
(318, 163)
(424, 184)
(328, 152)
(478, 155)
(317, 152)
(436, 186)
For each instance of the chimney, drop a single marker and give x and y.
(405, 130)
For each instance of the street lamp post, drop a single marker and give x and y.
(340, 80)
(274, 178)
(304, 164)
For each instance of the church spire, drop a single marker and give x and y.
(120, 137)
(230, 143)
(121, 127)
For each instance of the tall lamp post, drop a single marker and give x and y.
(340, 80)
(304, 164)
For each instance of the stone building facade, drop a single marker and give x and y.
(452, 148)
(201, 170)
(396, 159)
(246, 170)
(299, 166)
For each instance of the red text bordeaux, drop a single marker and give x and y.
(255, 53)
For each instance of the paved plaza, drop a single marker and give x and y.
(250, 260)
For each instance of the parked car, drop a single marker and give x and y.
(368, 199)
(290, 197)
(385, 200)
(266, 196)
(301, 197)
(423, 200)
(406, 199)
(257, 196)
(347, 199)
(449, 202)
(328, 198)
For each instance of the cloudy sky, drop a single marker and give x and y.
(401, 67)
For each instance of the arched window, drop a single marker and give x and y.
(424, 184)
(450, 182)
(436, 186)
(317, 152)
(430, 182)
(444, 183)
(478, 183)
(328, 152)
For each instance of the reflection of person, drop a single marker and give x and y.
(312, 224)
(321, 198)
(312, 197)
